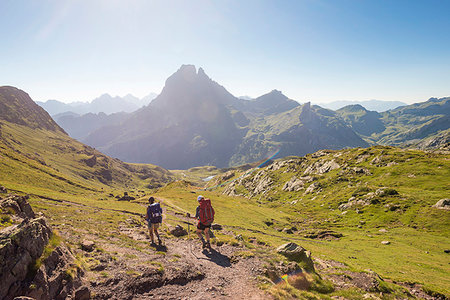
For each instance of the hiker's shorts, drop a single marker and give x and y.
(153, 225)
(202, 226)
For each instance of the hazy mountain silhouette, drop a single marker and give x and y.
(373, 105)
(103, 104)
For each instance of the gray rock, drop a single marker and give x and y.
(87, 246)
(443, 204)
(178, 231)
(297, 253)
(20, 206)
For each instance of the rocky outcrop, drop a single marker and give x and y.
(24, 268)
(296, 184)
(321, 167)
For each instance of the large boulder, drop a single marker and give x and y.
(297, 253)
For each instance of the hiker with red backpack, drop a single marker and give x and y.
(205, 216)
(154, 219)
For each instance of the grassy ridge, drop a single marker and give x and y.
(52, 164)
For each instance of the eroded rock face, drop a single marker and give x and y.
(21, 245)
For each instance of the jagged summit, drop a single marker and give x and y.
(17, 107)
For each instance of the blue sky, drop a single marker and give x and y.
(311, 50)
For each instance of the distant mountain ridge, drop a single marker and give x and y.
(374, 105)
(401, 126)
(195, 121)
(103, 104)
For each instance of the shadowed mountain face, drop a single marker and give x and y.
(17, 107)
(195, 121)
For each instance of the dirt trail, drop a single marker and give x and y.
(190, 272)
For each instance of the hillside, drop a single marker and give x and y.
(17, 107)
(39, 157)
(195, 122)
(357, 199)
(400, 126)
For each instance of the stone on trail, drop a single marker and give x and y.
(385, 242)
(297, 253)
(87, 246)
(216, 226)
(178, 231)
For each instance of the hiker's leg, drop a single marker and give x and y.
(152, 229)
(199, 233)
(207, 234)
(156, 226)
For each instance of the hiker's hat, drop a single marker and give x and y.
(200, 197)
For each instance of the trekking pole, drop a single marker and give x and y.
(189, 237)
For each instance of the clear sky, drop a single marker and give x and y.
(311, 50)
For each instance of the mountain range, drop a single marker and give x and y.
(403, 125)
(375, 105)
(195, 121)
(103, 104)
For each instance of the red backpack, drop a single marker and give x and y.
(206, 212)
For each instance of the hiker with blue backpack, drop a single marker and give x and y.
(154, 219)
(205, 216)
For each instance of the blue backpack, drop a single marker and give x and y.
(154, 213)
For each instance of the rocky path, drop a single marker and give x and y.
(189, 272)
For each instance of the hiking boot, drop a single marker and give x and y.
(204, 244)
(152, 244)
(207, 245)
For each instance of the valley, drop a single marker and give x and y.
(366, 222)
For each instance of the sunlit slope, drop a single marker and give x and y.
(37, 156)
(406, 124)
(38, 160)
(356, 193)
